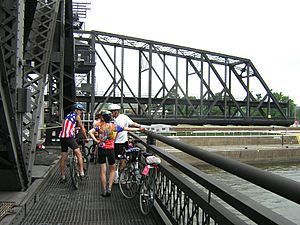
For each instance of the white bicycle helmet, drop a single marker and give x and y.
(153, 160)
(113, 107)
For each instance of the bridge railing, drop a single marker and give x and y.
(186, 195)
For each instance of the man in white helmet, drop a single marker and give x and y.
(121, 140)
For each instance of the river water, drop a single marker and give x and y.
(286, 208)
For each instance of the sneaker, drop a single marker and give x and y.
(104, 195)
(63, 180)
(108, 193)
(82, 177)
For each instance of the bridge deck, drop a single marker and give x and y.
(61, 204)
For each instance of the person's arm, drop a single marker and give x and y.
(135, 124)
(81, 126)
(92, 133)
(133, 129)
(132, 123)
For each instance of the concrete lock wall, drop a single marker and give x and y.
(248, 149)
(235, 140)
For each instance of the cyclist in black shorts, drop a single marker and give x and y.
(121, 141)
(67, 138)
(107, 132)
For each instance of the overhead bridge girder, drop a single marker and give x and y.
(158, 80)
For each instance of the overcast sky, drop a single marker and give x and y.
(266, 32)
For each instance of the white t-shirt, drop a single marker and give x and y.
(123, 121)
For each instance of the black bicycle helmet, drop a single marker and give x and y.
(106, 115)
(79, 106)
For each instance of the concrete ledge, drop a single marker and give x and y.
(247, 154)
(233, 140)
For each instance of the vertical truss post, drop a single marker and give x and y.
(13, 171)
(150, 81)
(225, 92)
(176, 85)
(115, 72)
(248, 93)
(38, 51)
(12, 141)
(93, 78)
(140, 81)
(122, 75)
(56, 69)
(201, 87)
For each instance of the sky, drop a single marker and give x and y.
(266, 32)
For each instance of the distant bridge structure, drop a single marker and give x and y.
(163, 83)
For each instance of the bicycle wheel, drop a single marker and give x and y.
(128, 181)
(74, 172)
(86, 160)
(147, 192)
(93, 153)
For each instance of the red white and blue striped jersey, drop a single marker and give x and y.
(68, 128)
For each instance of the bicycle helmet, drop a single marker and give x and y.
(106, 115)
(79, 106)
(114, 107)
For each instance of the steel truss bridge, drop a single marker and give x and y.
(42, 75)
(163, 83)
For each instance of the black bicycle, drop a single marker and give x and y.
(74, 166)
(139, 177)
(129, 175)
(93, 151)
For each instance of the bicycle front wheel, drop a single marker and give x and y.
(74, 172)
(86, 160)
(147, 193)
(129, 181)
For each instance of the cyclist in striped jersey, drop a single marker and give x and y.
(67, 138)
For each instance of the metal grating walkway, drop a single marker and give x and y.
(59, 204)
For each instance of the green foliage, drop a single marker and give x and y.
(281, 98)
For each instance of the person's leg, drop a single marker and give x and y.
(63, 158)
(103, 177)
(112, 169)
(102, 162)
(117, 170)
(80, 160)
(119, 152)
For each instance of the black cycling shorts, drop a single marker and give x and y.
(119, 149)
(106, 153)
(65, 143)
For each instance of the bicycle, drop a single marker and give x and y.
(137, 179)
(85, 152)
(93, 151)
(128, 179)
(74, 166)
(74, 169)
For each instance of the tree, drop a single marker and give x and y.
(281, 98)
